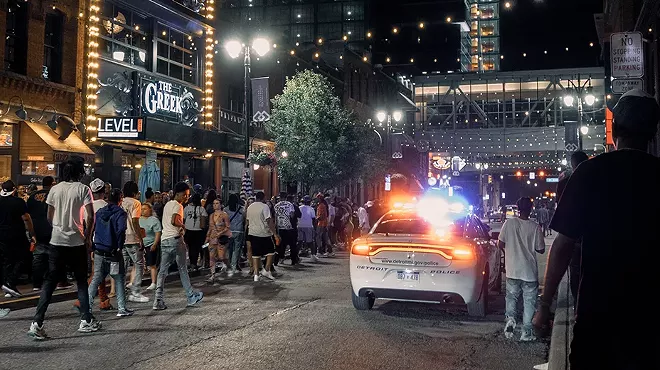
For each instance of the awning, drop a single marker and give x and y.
(39, 143)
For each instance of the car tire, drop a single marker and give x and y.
(362, 303)
(480, 307)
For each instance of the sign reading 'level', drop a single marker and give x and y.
(627, 55)
(121, 128)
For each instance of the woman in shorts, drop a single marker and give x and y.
(151, 237)
(218, 237)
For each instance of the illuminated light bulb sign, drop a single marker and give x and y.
(170, 101)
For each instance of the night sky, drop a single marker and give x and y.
(529, 26)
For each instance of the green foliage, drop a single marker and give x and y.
(262, 158)
(325, 146)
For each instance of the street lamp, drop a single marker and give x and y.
(261, 46)
(580, 92)
(382, 116)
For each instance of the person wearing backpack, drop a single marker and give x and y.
(109, 239)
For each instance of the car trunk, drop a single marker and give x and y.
(409, 251)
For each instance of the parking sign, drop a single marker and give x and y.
(627, 55)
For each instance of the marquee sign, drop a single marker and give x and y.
(169, 101)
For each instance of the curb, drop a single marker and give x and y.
(562, 330)
(31, 299)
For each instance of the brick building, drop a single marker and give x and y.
(41, 47)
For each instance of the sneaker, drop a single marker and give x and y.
(138, 298)
(509, 327)
(324, 255)
(211, 278)
(152, 286)
(125, 312)
(332, 254)
(256, 278)
(4, 312)
(36, 289)
(527, 336)
(62, 286)
(7, 295)
(195, 298)
(223, 268)
(159, 305)
(12, 291)
(37, 332)
(89, 326)
(231, 273)
(267, 274)
(314, 258)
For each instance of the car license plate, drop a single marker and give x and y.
(408, 276)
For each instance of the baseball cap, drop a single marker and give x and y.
(96, 185)
(637, 112)
(8, 188)
(307, 198)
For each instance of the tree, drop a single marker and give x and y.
(324, 144)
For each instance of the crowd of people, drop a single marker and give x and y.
(87, 232)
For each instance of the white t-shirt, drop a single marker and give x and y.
(133, 209)
(69, 200)
(332, 211)
(97, 204)
(193, 217)
(521, 238)
(257, 215)
(171, 208)
(307, 215)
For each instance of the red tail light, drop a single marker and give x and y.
(463, 253)
(361, 249)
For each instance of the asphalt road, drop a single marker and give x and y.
(304, 320)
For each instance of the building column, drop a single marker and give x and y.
(217, 173)
(35, 47)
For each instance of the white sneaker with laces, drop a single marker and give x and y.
(267, 274)
(314, 258)
(89, 326)
(509, 327)
(36, 332)
(527, 336)
(152, 286)
(231, 273)
(138, 298)
(332, 254)
(324, 255)
(256, 278)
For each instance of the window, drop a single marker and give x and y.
(124, 35)
(395, 223)
(353, 12)
(277, 15)
(5, 167)
(178, 54)
(330, 31)
(302, 14)
(302, 33)
(52, 68)
(354, 30)
(329, 12)
(16, 36)
(38, 169)
(235, 99)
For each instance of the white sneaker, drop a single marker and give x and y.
(36, 332)
(152, 286)
(211, 278)
(7, 295)
(527, 336)
(223, 268)
(509, 327)
(138, 298)
(89, 326)
(267, 274)
(332, 254)
(256, 278)
(324, 255)
(231, 273)
(314, 258)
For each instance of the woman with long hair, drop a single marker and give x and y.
(195, 222)
(211, 196)
(217, 237)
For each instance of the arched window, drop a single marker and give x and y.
(16, 37)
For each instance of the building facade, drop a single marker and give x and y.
(480, 40)
(41, 46)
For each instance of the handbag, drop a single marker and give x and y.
(224, 239)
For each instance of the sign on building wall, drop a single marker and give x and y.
(260, 100)
(121, 127)
(169, 101)
(627, 55)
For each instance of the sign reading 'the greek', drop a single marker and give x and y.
(169, 101)
(627, 55)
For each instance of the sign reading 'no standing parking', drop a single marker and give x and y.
(627, 55)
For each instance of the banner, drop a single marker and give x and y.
(260, 100)
(571, 138)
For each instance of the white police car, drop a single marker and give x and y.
(429, 252)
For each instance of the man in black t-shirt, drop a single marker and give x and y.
(611, 202)
(14, 219)
(38, 210)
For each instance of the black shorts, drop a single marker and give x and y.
(262, 246)
(152, 257)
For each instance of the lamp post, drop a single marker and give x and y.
(481, 167)
(584, 95)
(383, 116)
(234, 48)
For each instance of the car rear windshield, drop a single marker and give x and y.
(394, 224)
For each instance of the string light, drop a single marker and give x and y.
(92, 66)
(208, 74)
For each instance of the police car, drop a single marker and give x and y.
(432, 251)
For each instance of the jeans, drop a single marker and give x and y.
(234, 248)
(529, 291)
(39, 265)
(171, 250)
(101, 270)
(289, 237)
(322, 240)
(58, 259)
(133, 252)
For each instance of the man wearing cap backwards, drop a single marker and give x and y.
(611, 202)
(14, 220)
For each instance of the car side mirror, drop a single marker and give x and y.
(495, 235)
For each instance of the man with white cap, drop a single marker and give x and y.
(611, 202)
